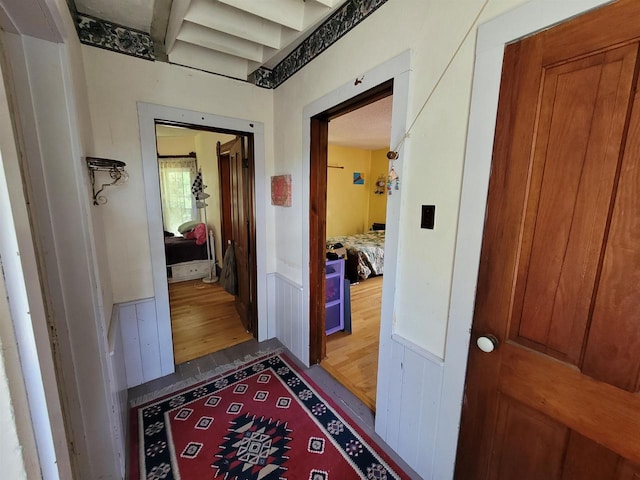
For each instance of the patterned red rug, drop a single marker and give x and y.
(263, 421)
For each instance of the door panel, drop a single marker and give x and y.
(587, 459)
(560, 265)
(240, 197)
(528, 445)
(613, 350)
(580, 128)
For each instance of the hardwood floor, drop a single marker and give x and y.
(203, 320)
(352, 359)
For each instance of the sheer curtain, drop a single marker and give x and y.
(178, 204)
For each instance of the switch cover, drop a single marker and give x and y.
(428, 218)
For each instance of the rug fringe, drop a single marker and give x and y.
(219, 370)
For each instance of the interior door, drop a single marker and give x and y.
(226, 233)
(241, 208)
(559, 281)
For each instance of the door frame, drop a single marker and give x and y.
(147, 115)
(318, 211)
(492, 37)
(396, 69)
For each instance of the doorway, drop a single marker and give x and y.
(204, 317)
(148, 114)
(347, 227)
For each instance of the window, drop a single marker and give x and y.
(178, 204)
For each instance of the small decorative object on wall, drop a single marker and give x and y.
(281, 190)
(380, 184)
(393, 180)
(116, 171)
(358, 179)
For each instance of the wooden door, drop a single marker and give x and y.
(559, 279)
(241, 218)
(226, 233)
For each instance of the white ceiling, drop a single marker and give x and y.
(368, 128)
(131, 13)
(228, 37)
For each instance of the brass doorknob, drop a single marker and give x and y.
(487, 343)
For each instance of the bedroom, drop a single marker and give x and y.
(357, 193)
(203, 315)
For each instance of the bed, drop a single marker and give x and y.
(365, 254)
(185, 259)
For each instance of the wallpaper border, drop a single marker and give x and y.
(111, 36)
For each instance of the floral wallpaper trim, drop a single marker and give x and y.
(262, 77)
(111, 36)
(335, 27)
(103, 34)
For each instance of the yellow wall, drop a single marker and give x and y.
(347, 203)
(182, 145)
(378, 203)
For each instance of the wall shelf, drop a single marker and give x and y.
(116, 171)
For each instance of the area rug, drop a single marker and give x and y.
(263, 421)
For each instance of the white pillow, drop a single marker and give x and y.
(187, 226)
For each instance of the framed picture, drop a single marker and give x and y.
(281, 190)
(358, 179)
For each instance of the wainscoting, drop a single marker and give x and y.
(285, 308)
(141, 343)
(409, 378)
(409, 388)
(118, 382)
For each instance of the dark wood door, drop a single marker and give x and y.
(559, 279)
(226, 233)
(241, 208)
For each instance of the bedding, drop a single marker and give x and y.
(180, 249)
(365, 254)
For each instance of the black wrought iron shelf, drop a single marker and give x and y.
(115, 169)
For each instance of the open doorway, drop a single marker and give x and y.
(350, 167)
(195, 184)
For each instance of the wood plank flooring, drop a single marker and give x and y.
(353, 359)
(203, 320)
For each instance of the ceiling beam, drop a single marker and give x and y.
(217, 16)
(158, 30)
(289, 13)
(179, 9)
(208, 60)
(216, 40)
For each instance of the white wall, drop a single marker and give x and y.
(19, 458)
(413, 333)
(432, 164)
(115, 83)
(54, 131)
(433, 169)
